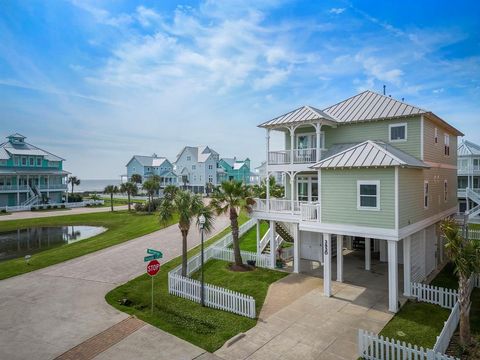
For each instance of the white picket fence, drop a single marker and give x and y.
(215, 296)
(377, 347)
(446, 298)
(474, 234)
(443, 340)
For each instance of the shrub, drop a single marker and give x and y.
(62, 206)
(4, 211)
(49, 206)
(55, 206)
(87, 204)
(75, 198)
(139, 207)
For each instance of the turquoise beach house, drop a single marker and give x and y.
(30, 175)
(233, 169)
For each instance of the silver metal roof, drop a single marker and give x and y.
(467, 148)
(369, 154)
(24, 148)
(369, 105)
(302, 114)
(149, 160)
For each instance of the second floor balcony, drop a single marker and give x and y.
(295, 156)
(292, 209)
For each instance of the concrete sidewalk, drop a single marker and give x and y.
(41, 214)
(47, 312)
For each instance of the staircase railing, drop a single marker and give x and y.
(31, 201)
(472, 195)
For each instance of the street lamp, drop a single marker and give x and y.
(201, 220)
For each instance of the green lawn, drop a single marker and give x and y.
(417, 323)
(122, 226)
(119, 202)
(446, 278)
(248, 241)
(205, 327)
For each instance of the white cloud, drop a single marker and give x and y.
(336, 11)
(146, 16)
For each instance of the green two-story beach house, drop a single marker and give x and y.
(29, 175)
(371, 176)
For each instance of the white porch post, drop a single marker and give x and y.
(367, 254)
(340, 258)
(258, 237)
(349, 243)
(292, 189)
(327, 265)
(292, 143)
(266, 170)
(407, 271)
(296, 248)
(392, 276)
(318, 129)
(273, 235)
(18, 190)
(48, 186)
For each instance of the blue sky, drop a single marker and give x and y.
(98, 81)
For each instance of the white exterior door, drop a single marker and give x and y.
(417, 253)
(311, 246)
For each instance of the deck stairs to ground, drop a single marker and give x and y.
(31, 201)
(282, 234)
(475, 198)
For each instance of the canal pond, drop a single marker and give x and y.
(28, 241)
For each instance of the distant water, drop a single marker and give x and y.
(94, 185)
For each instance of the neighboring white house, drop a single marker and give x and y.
(261, 174)
(468, 171)
(196, 166)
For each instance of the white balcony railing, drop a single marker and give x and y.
(13, 187)
(52, 187)
(294, 156)
(310, 212)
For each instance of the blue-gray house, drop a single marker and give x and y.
(147, 166)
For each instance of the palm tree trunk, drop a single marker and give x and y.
(72, 188)
(236, 245)
(111, 201)
(128, 194)
(184, 251)
(464, 299)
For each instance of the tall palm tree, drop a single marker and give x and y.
(129, 188)
(73, 180)
(232, 197)
(136, 178)
(151, 186)
(465, 255)
(189, 207)
(169, 192)
(111, 189)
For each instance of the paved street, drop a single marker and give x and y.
(40, 214)
(47, 312)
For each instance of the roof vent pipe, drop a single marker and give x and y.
(384, 89)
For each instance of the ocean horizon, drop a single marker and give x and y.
(93, 185)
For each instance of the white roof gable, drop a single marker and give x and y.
(467, 148)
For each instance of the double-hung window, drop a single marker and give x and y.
(398, 132)
(425, 194)
(445, 191)
(194, 167)
(436, 136)
(447, 144)
(368, 195)
(476, 164)
(39, 161)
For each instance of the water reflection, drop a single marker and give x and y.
(21, 242)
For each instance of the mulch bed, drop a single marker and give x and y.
(456, 350)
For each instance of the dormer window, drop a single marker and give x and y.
(39, 161)
(398, 132)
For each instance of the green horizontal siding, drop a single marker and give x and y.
(339, 197)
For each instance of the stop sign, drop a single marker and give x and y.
(153, 267)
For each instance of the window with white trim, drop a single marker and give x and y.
(425, 194)
(210, 167)
(39, 161)
(447, 144)
(368, 195)
(476, 164)
(189, 158)
(194, 167)
(435, 139)
(398, 132)
(210, 178)
(445, 191)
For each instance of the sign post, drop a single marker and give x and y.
(152, 269)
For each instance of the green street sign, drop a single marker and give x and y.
(151, 257)
(155, 252)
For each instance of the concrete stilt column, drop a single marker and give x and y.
(273, 235)
(367, 254)
(340, 258)
(392, 276)
(327, 265)
(296, 249)
(407, 270)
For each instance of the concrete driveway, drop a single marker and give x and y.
(298, 322)
(47, 312)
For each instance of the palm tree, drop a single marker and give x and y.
(189, 207)
(73, 180)
(169, 192)
(111, 189)
(136, 178)
(276, 190)
(465, 256)
(151, 186)
(129, 188)
(232, 197)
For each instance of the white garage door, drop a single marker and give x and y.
(417, 256)
(311, 246)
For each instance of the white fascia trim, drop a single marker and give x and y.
(350, 230)
(397, 125)
(413, 228)
(422, 139)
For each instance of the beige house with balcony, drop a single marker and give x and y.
(370, 177)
